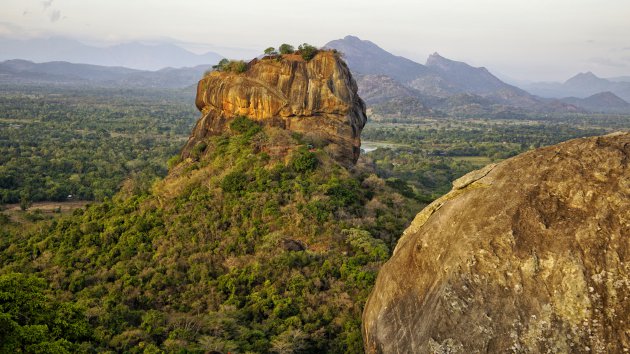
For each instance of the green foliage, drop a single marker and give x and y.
(25, 200)
(271, 51)
(173, 161)
(235, 66)
(245, 126)
(343, 192)
(362, 242)
(430, 153)
(221, 65)
(307, 51)
(234, 182)
(198, 150)
(32, 322)
(207, 267)
(207, 260)
(286, 49)
(86, 142)
(401, 186)
(304, 161)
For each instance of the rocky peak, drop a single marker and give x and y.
(528, 255)
(367, 58)
(587, 78)
(316, 98)
(435, 59)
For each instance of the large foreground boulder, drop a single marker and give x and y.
(531, 255)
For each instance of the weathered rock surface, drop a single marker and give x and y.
(531, 255)
(317, 98)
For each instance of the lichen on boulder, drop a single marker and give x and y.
(529, 255)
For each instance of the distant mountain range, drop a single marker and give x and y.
(64, 73)
(130, 55)
(367, 58)
(396, 86)
(583, 85)
(392, 86)
(603, 102)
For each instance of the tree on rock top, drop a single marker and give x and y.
(286, 49)
(307, 51)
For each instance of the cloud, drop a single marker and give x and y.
(608, 62)
(55, 16)
(47, 4)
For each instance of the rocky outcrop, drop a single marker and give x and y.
(531, 255)
(317, 98)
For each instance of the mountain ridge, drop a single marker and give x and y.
(133, 55)
(444, 86)
(65, 73)
(581, 85)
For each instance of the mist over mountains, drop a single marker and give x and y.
(447, 87)
(392, 86)
(130, 55)
(582, 85)
(63, 73)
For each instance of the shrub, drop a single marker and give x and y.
(304, 161)
(307, 51)
(221, 65)
(245, 126)
(343, 192)
(286, 49)
(401, 187)
(198, 150)
(271, 51)
(173, 161)
(234, 182)
(236, 66)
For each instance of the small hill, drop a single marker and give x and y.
(603, 102)
(528, 255)
(586, 81)
(581, 85)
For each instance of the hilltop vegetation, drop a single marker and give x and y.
(238, 250)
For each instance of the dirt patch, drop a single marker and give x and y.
(50, 207)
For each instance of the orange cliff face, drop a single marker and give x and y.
(316, 98)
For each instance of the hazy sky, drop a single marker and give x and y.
(523, 39)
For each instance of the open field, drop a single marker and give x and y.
(43, 210)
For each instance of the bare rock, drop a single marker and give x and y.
(531, 255)
(317, 98)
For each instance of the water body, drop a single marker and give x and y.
(369, 146)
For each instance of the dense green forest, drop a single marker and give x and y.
(237, 249)
(430, 153)
(85, 142)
